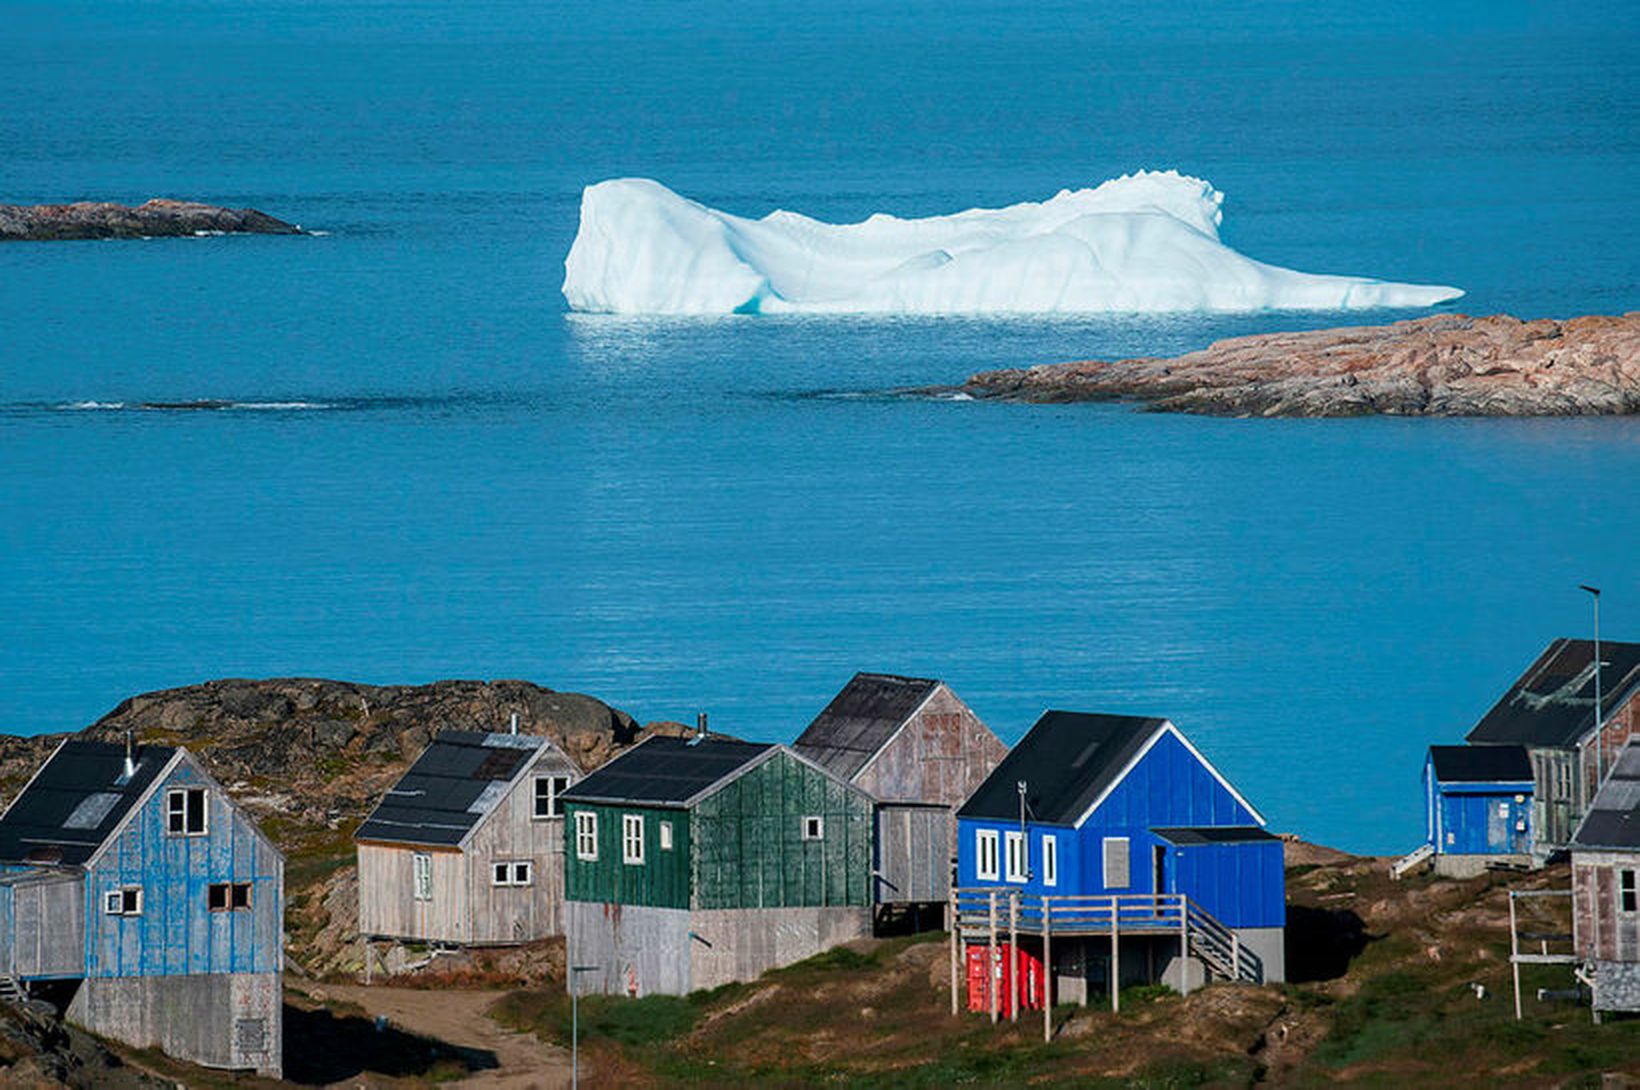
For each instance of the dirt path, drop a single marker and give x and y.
(457, 1018)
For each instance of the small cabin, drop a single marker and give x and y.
(135, 890)
(915, 747)
(692, 863)
(467, 849)
(1606, 887)
(1146, 862)
(1478, 805)
(1550, 711)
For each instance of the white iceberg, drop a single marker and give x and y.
(1146, 242)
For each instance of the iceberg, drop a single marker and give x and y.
(1145, 242)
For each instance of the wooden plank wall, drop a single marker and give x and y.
(941, 755)
(913, 853)
(1601, 932)
(661, 881)
(387, 902)
(512, 833)
(176, 932)
(47, 939)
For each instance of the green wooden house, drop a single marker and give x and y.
(693, 862)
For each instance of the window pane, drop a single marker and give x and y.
(242, 895)
(521, 874)
(216, 897)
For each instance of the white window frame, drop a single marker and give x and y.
(1628, 888)
(1050, 859)
(666, 836)
(421, 876)
(557, 784)
(510, 872)
(1014, 857)
(586, 835)
(176, 812)
(814, 827)
(1105, 874)
(985, 854)
(632, 839)
(114, 901)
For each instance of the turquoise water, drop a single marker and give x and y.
(450, 476)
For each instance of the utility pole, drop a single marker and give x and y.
(1599, 710)
(575, 1022)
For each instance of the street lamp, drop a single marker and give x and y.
(1599, 724)
(575, 1023)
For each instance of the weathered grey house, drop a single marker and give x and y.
(919, 751)
(1606, 887)
(1550, 710)
(130, 877)
(467, 849)
(697, 862)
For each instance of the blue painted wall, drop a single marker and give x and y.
(1477, 818)
(1240, 884)
(177, 932)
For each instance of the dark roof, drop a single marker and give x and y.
(1214, 834)
(1481, 764)
(1066, 760)
(860, 720)
(1552, 703)
(1613, 820)
(453, 785)
(666, 771)
(78, 798)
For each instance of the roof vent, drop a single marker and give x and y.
(700, 729)
(130, 764)
(514, 727)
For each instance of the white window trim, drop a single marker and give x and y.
(175, 794)
(1050, 859)
(985, 854)
(1104, 862)
(505, 872)
(421, 876)
(557, 784)
(815, 822)
(1631, 886)
(666, 836)
(586, 835)
(116, 897)
(632, 839)
(1013, 856)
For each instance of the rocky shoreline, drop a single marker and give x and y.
(158, 218)
(1445, 365)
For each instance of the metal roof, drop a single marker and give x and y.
(665, 771)
(454, 784)
(1613, 820)
(860, 720)
(1481, 764)
(1188, 836)
(1066, 760)
(76, 801)
(1552, 703)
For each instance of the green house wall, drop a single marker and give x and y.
(660, 881)
(749, 850)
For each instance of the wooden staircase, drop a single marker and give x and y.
(1411, 861)
(13, 990)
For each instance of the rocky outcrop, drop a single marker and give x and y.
(1447, 365)
(154, 219)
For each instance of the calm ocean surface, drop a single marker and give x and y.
(450, 476)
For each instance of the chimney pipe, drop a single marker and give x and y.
(700, 724)
(514, 723)
(130, 765)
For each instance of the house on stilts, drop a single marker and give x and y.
(1606, 888)
(135, 890)
(694, 862)
(919, 751)
(467, 849)
(1106, 850)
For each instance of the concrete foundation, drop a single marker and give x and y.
(1270, 944)
(228, 1020)
(1617, 986)
(1470, 866)
(673, 951)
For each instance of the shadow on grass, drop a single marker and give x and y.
(323, 1046)
(1321, 942)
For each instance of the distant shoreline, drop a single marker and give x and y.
(1445, 365)
(158, 218)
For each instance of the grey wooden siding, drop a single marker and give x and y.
(42, 926)
(942, 755)
(466, 907)
(913, 853)
(1601, 930)
(176, 931)
(229, 1020)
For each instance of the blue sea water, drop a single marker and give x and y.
(433, 470)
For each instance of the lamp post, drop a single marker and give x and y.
(575, 1022)
(1599, 724)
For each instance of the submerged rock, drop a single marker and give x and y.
(1446, 365)
(156, 218)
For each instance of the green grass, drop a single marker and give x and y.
(650, 1019)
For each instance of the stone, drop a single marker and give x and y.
(157, 218)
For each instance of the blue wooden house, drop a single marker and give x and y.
(1118, 836)
(136, 891)
(1478, 807)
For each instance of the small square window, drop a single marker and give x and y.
(123, 902)
(228, 896)
(814, 827)
(499, 874)
(548, 790)
(185, 811)
(666, 836)
(240, 895)
(521, 874)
